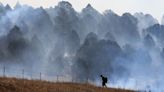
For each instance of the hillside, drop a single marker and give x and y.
(20, 85)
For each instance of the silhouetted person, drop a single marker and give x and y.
(104, 80)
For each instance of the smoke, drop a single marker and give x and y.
(128, 49)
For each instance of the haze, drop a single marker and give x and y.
(153, 7)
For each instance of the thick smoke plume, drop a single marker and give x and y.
(129, 49)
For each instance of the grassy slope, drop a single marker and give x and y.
(19, 85)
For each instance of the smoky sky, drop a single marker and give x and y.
(154, 7)
(128, 49)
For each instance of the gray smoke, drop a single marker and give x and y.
(128, 49)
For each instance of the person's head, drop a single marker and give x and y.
(101, 76)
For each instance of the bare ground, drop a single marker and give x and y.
(20, 85)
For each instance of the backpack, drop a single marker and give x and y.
(105, 79)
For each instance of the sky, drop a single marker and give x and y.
(153, 7)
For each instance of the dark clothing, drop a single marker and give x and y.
(104, 81)
(103, 84)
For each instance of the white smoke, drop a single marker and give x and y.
(61, 41)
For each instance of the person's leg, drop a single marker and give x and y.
(103, 84)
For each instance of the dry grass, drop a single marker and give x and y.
(20, 85)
